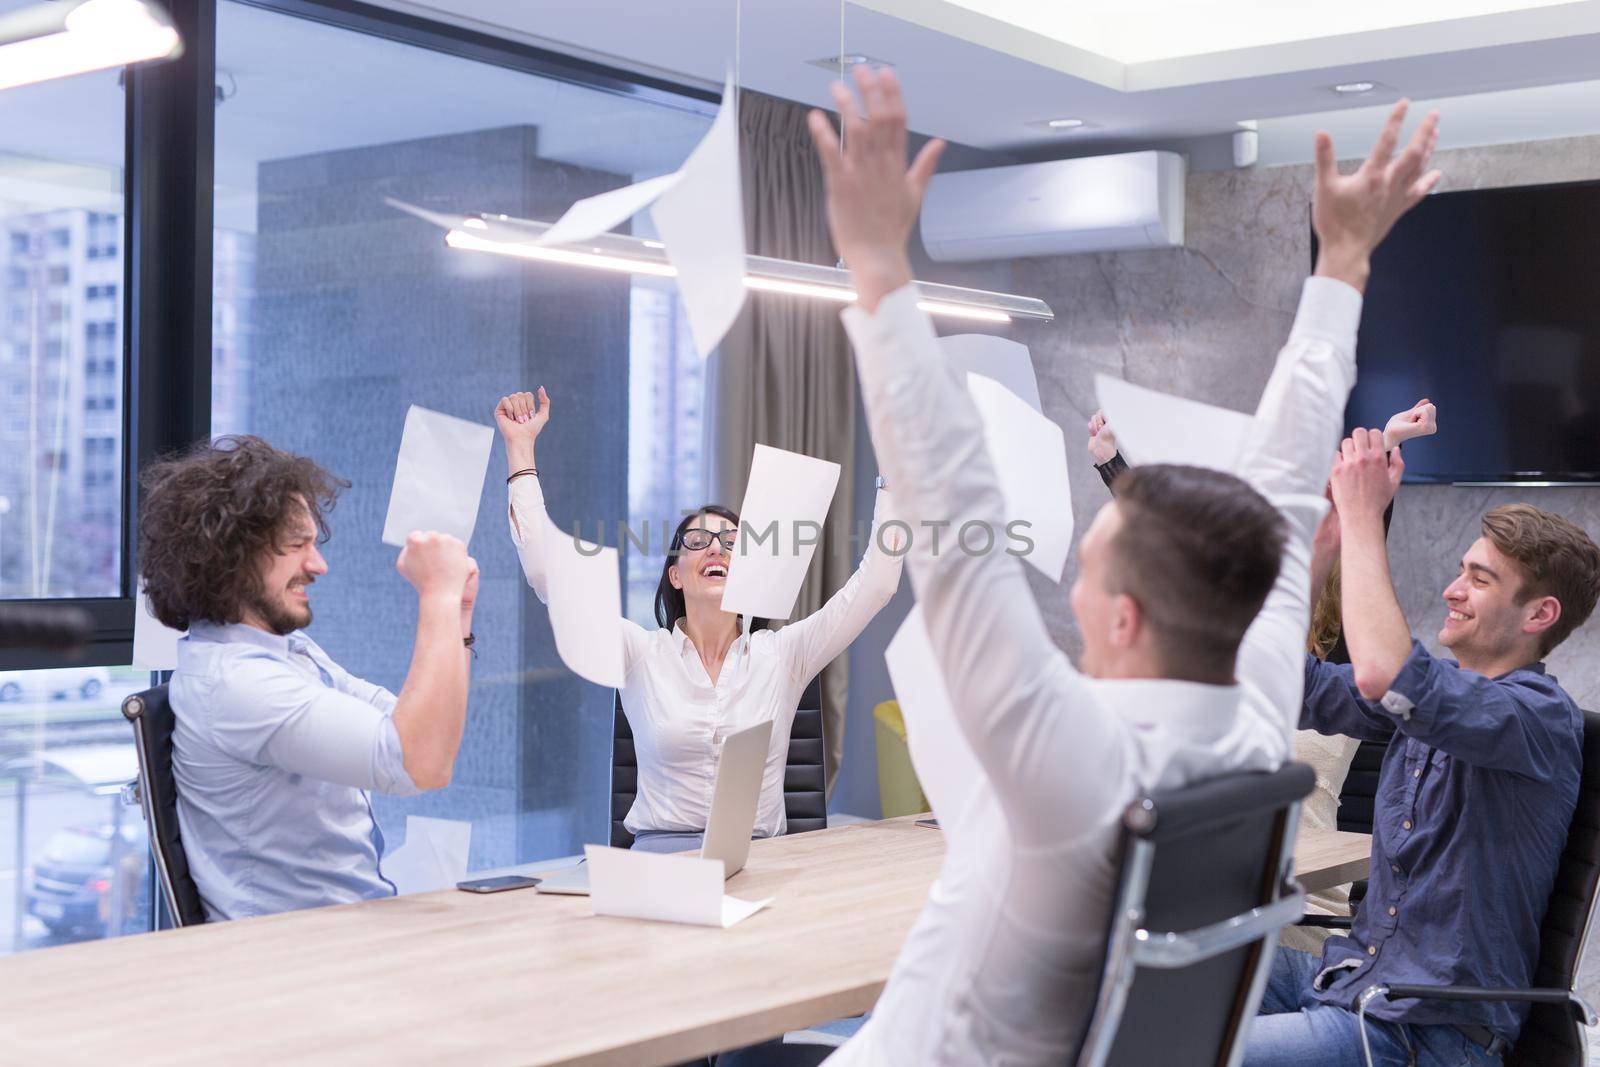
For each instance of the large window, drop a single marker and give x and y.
(332, 312)
(74, 861)
(61, 149)
(73, 858)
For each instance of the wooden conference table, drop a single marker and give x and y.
(510, 978)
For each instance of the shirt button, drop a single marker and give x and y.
(1372, 950)
(1395, 867)
(1406, 825)
(1417, 773)
(1391, 909)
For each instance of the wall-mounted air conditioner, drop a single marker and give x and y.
(1094, 204)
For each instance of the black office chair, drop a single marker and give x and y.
(805, 781)
(1205, 887)
(1553, 1035)
(1360, 791)
(151, 716)
(1356, 800)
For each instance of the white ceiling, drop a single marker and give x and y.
(1144, 31)
(981, 81)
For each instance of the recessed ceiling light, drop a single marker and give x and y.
(1064, 125)
(1355, 88)
(852, 60)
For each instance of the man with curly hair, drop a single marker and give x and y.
(276, 747)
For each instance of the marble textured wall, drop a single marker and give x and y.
(1206, 321)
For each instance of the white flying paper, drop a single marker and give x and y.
(1030, 459)
(585, 605)
(780, 523)
(1007, 362)
(155, 645)
(1156, 427)
(701, 221)
(946, 767)
(594, 215)
(668, 888)
(438, 479)
(433, 856)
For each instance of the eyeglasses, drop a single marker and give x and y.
(698, 537)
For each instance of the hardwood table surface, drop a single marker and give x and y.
(508, 978)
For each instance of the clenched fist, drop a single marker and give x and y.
(436, 564)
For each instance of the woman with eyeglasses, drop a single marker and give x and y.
(701, 675)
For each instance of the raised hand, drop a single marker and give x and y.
(1352, 213)
(521, 417)
(873, 198)
(1102, 441)
(1420, 420)
(437, 564)
(1365, 476)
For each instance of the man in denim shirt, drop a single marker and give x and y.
(1477, 787)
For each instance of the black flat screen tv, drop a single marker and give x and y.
(1488, 303)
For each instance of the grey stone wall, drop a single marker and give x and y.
(362, 311)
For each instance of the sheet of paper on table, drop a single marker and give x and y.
(433, 855)
(663, 887)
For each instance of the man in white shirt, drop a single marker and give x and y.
(1192, 597)
(275, 746)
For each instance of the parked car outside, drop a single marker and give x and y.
(74, 887)
(54, 683)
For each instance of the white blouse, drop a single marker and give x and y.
(680, 717)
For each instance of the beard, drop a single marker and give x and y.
(281, 618)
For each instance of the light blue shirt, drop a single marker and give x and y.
(274, 750)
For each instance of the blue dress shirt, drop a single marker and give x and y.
(1477, 788)
(274, 750)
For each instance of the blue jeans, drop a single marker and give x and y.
(668, 841)
(1294, 1029)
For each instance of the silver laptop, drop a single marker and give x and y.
(733, 810)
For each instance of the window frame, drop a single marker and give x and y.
(165, 293)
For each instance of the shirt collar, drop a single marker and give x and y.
(685, 647)
(1188, 708)
(242, 633)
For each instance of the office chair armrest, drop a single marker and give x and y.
(1576, 1006)
(1326, 922)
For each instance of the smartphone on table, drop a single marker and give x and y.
(498, 884)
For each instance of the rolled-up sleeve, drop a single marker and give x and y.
(264, 712)
(1520, 723)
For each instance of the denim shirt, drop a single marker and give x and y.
(1477, 789)
(274, 749)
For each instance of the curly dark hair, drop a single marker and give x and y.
(210, 512)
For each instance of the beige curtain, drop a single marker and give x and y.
(783, 375)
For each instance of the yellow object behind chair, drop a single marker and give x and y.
(898, 788)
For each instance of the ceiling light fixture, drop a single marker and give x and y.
(1064, 124)
(55, 40)
(1355, 88)
(505, 235)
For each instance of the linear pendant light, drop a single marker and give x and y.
(508, 236)
(55, 40)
